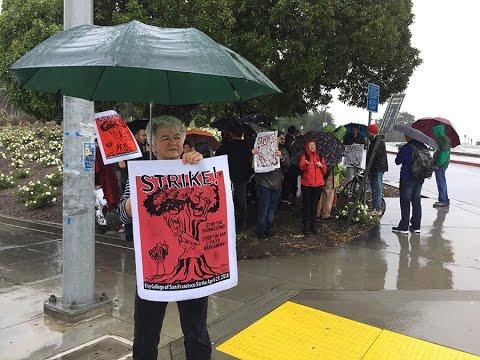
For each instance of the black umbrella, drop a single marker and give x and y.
(328, 146)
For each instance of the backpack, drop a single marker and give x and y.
(422, 163)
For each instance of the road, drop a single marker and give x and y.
(462, 182)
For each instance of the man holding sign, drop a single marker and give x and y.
(183, 239)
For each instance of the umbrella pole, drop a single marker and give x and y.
(151, 130)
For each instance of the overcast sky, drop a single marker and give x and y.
(447, 83)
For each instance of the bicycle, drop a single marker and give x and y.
(349, 191)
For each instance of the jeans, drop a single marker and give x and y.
(376, 184)
(240, 199)
(442, 186)
(310, 197)
(410, 193)
(267, 205)
(148, 323)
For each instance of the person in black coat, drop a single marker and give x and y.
(379, 166)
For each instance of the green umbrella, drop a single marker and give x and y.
(134, 62)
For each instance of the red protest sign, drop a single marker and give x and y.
(115, 139)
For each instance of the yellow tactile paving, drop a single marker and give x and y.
(294, 331)
(393, 346)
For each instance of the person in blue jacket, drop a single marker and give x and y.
(410, 189)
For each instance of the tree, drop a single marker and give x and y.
(404, 118)
(310, 121)
(306, 47)
(24, 24)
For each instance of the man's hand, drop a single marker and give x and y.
(122, 164)
(128, 208)
(278, 153)
(192, 157)
(255, 151)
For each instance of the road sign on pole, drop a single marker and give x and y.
(391, 114)
(373, 97)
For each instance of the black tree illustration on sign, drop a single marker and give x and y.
(183, 210)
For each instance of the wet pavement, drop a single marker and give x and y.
(426, 285)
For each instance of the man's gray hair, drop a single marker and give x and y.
(164, 122)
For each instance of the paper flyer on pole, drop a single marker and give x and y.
(184, 228)
(265, 160)
(354, 154)
(115, 139)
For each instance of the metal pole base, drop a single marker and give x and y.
(73, 313)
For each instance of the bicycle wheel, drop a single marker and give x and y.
(348, 193)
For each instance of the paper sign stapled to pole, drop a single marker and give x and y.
(115, 139)
(184, 228)
(266, 160)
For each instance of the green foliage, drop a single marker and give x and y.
(20, 173)
(56, 178)
(360, 213)
(6, 182)
(37, 195)
(309, 121)
(306, 47)
(23, 25)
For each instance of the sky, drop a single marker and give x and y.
(447, 83)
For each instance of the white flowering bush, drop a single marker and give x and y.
(56, 178)
(360, 211)
(37, 195)
(6, 181)
(17, 163)
(20, 173)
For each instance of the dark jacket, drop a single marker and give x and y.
(350, 139)
(380, 162)
(312, 175)
(273, 179)
(404, 158)
(239, 159)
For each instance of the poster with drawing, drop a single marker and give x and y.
(353, 154)
(265, 160)
(115, 139)
(184, 228)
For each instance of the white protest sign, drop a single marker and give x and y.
(265, 161)
(353, 154)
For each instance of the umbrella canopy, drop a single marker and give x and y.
(327, 145)
(134, 62)
(416, 135)
(362, 128)
(259, 119)
(426, 125)
(196, 136)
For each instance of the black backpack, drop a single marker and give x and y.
(422, 163)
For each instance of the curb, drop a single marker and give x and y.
(461, 162)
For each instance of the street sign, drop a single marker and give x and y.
(391, 114)
(373, 97)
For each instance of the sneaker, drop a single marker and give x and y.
(416, 231)
(397, 230)
(440, 204)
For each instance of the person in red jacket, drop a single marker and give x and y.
(313, 168)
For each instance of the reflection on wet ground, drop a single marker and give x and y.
(366, 280)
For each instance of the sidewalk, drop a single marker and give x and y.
(425, 286)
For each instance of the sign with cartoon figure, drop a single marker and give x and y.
(266, 144)
(354, 154)
(184, 228)
(115, 139)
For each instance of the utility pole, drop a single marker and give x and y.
(78, 301)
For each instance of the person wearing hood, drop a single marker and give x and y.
(441, 159)
(313, 167)
(379, 166)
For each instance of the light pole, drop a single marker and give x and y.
(78, 269)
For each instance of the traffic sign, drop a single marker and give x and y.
(373, 97)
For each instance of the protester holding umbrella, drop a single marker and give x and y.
(313, 167)
(441, 160)
(379, 166)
